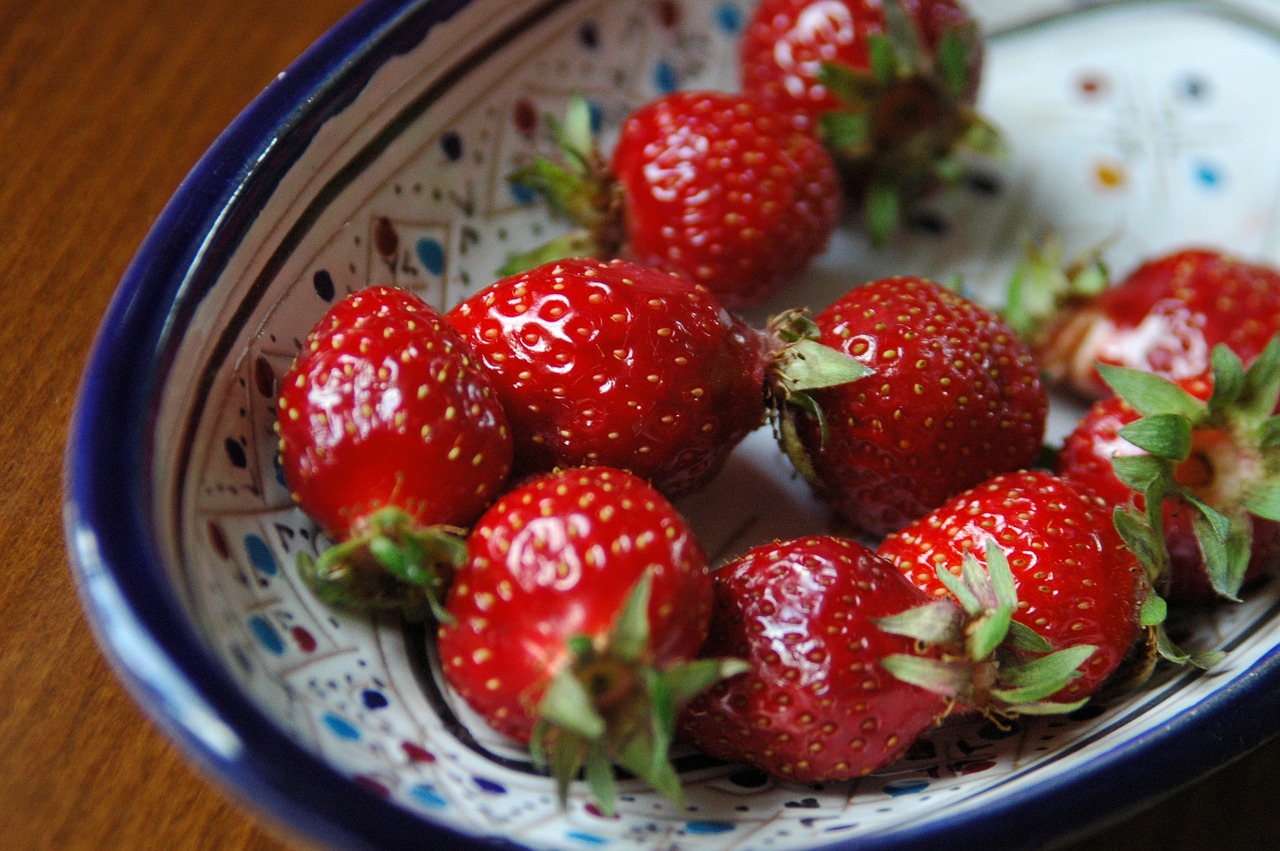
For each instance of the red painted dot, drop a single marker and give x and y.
(372, 785)
(525, 116)
(385, 238)
(977, 766)
(305, 640)
(417, 753)
(219, 541)
(669, 14)
(1093, 85)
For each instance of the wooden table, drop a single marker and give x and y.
(104, 106)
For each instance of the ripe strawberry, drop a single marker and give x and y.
(848, 662)
(704, 184)
(1076, 582)
(816, 703)
(1200, 461)
(618, 364)
(890, 85)
(390, 434)
(954, 399)
(575, 622)
(1164, 317)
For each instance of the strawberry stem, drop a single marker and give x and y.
(800, 364)
(985, 650)
(577, 186)
(610, 705)
(388, 563)
(1043, 285)
(903, 120)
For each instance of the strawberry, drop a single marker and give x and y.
(816, 703)
(954, 399)
(390, 436)
(848, 663)
(574, 624)
(890, 85)
(1164, 317)
(705, 184)
(1199, 459)
(1076, 581)
(622, 365)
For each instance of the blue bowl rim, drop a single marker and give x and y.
(124, 588)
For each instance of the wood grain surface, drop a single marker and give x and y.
(104, 107)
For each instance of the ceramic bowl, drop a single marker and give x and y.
(380, 158)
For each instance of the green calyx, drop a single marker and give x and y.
(612, 707)
(990, 661)
(388, 564)
(1045, 283)
(799, 365)
(905, 121)
(1220, 458)
(578, 187)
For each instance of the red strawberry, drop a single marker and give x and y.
(1200, 459)
(816, 703)
(848, 662)
(890, 85)
(618, 364)
(1075, 580)
(954, 399)
(1165, 317)
(704, 184)
(574, 622)
(389, 434)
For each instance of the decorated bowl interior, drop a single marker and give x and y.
(1141, 144)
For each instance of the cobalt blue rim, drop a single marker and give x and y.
(143, 629)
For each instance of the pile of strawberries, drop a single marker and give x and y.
(506, 468)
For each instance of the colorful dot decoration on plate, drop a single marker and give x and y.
(1141, 145)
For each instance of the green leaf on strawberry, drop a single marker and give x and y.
(1214, 455)
(610, 705)
(387, 564)
(1143, 533)
(900, 120)
(1027, 556)
(1044, 284)
(988, 597)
